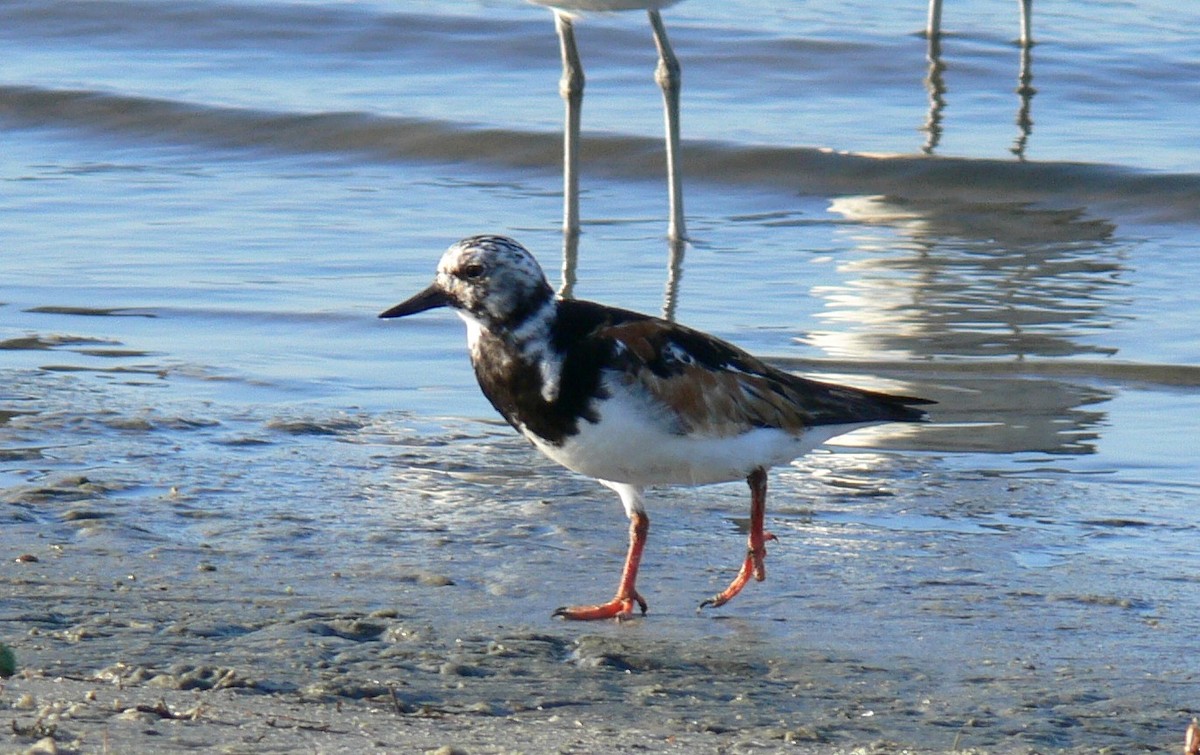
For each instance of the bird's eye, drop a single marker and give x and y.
(472, 271)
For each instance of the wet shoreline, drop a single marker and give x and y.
(901, 606)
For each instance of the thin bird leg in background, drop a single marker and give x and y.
(756, 550)
(571, 89)
(621, 606)
(669, 78)
(933, 27)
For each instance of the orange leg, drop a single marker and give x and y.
(621, 606)
(753, 565)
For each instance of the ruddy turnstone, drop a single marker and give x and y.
(633, 400)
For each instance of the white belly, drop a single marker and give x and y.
(628, 446)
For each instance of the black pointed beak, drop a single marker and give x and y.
(430, 298)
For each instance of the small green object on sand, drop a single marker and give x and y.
(8, 662)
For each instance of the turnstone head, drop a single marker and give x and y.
(633, 400)
(491, 280)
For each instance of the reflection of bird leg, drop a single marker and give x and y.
(675, 249)
(570, 262)
(670, 81)
(935, 85)
(571, 89)
(1026, 91)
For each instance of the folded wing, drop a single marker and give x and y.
(710, 387)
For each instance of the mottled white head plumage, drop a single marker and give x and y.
(494, 280)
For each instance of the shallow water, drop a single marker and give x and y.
(205, 205)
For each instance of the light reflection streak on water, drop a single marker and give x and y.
(970, 281)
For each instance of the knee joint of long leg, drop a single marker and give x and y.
(668, 75)
(571, 84)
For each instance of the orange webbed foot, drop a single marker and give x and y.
(619, 608)
(756, 550)
(752, 566)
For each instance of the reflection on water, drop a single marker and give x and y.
(1026, 91)
(935, 87)
(1008, 282)
(570, 263)
(675, 251)
(945, 279)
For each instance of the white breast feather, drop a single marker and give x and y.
(632, 444)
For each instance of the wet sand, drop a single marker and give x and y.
(392, 588)
(140, 659)
(69, 715)
(208, 660)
